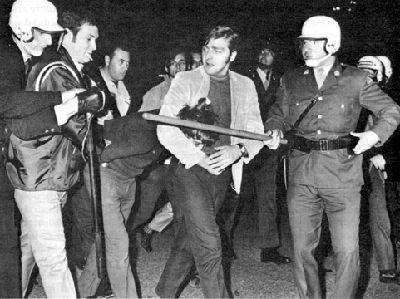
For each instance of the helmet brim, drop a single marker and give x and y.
(311, 38)
(51, 28)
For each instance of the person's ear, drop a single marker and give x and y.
(107, 60)
(233, 56)
(68, 36)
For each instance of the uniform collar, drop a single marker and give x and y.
(334, 74)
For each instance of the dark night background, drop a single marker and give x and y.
(153, 26)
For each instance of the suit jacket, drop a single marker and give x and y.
(187, 89)
(266, 98)
(33, 109)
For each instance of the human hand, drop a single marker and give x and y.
(378, 161)
(274, 142)
(225, 156)
(205, 163)
(366, 140)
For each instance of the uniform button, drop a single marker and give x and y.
(319, 132)
(342, 106)
(320, 98)
(319, 116)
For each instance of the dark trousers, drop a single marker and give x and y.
(342, 206)
(80, 236)
(393, 206)
(151, 185)
(379, 221)
(263, 177)
(199, 195)
(10, 280)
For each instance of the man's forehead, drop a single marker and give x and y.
(121, 54)
(220, 42)
(89, 30)
(266, 52)
(196, 56)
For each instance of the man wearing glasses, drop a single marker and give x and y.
(175, 63)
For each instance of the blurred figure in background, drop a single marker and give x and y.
(382, 165)
(262, 170)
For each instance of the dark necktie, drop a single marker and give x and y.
(28, 67)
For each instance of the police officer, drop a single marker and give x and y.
(381, 168)
(325, 168)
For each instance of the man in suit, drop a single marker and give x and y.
(261, 171)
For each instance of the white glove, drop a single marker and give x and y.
(274, 142)
(378, 161)
(367, 140)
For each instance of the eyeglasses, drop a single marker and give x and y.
(180, 63)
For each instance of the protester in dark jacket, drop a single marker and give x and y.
(34, 111)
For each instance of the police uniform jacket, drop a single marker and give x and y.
(345, 91)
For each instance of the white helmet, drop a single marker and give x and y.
(388, 70)
(26, 14)
(371, 63)
(322, 27)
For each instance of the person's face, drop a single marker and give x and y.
(84, 44)
(177, 65)
(312, 49)
(118, 64)
(217, 57)
(39, 42)
(196, 60)
(265, 58)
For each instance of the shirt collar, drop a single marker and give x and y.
(262, 74)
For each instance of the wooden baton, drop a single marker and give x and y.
(204, 127)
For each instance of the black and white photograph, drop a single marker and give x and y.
(200, 149)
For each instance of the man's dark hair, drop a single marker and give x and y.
(227, 33)
(268, 48)
(171, 54)
(73, 21)
(122, 45)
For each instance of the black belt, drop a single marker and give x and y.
(307, 145)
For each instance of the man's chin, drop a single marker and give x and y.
(36, 53)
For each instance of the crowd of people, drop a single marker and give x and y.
(83, 173)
